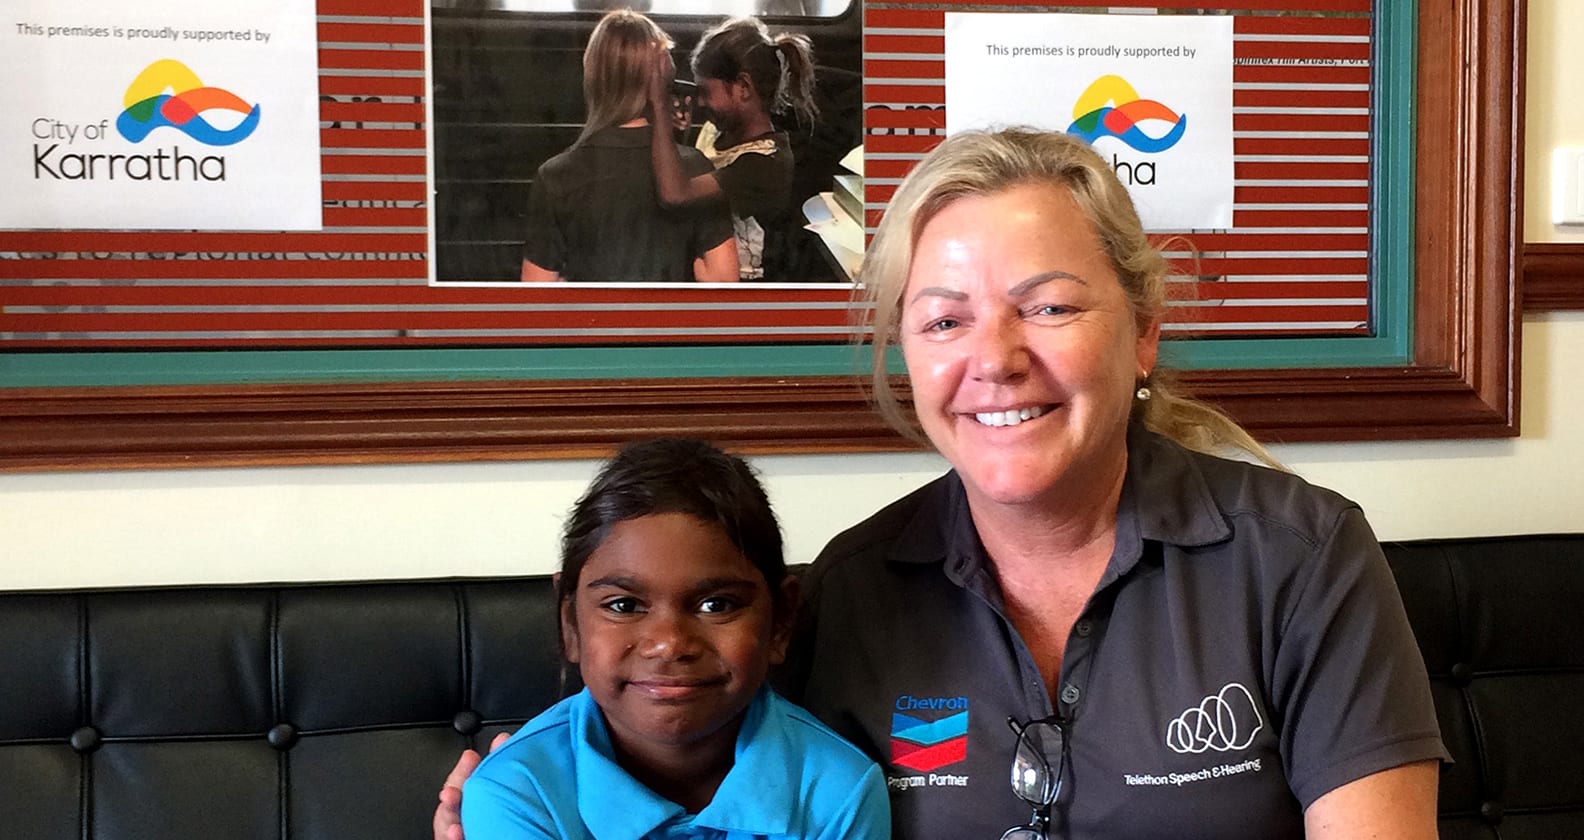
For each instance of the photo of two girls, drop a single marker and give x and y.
(691, 163)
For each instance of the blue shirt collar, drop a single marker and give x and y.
(758, 795)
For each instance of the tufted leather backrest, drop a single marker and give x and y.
(1500, 622)
(314, 712)
(332, 711)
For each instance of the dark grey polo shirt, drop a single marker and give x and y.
(1245, 652)
(594, 215)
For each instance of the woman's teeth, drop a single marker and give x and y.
(1008, 418)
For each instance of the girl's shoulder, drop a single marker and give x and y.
(547, 737)
(807, 737)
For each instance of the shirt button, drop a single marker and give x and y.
(1083, 628)
(1070, 694)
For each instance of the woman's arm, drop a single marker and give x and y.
(534, 274)
(719, 264)
(1395, 804)
(671, 186)
(448, 814)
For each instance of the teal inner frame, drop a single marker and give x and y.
(1391, 229)
(1391, 262)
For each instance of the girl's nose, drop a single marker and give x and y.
(669, 637)
(1000, 351)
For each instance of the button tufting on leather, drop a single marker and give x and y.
(1462, 673)
(1491, 811)
(282, 736)
(467, 722)
(85, 740)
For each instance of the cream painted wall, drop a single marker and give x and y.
(123, 528)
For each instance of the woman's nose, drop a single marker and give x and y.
(1000, 350)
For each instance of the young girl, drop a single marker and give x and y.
(675, 603)
(592, 210)
(743, 76)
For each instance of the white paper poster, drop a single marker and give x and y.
(1152, 94)
(171, 114)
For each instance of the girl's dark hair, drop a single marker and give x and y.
(676, 475)
(781, 68)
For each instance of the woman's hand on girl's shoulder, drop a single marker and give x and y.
(448, 814)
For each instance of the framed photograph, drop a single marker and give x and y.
(364, 342)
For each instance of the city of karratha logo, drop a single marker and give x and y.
(1110, 107)
(169, 94)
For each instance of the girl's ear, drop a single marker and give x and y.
(569, 631)
(742, 87)
(785, 619)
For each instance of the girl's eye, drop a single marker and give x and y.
(718, 604)
(623, 606)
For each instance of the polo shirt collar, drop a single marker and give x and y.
(1170, 497)
(1165, 499)
(756, 797)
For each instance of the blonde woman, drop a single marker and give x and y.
(592, 211)
(1155, 640)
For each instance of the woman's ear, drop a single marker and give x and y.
(785, 619)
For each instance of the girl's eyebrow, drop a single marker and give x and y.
(718, 583)
(626, 582)
(632, 584)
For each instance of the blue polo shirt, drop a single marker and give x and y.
(558, 777)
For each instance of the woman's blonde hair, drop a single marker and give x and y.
(616, 66)
(982, 163)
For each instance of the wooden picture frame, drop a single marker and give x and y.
(1462, 383)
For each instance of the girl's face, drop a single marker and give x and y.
(674, 631)
(724, 101)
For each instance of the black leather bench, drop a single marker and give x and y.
(332, 711)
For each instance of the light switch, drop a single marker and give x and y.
(1567, 186)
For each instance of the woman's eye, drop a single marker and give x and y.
(1053, 309)
(942, 325)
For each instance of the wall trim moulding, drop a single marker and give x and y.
(1553, 276)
